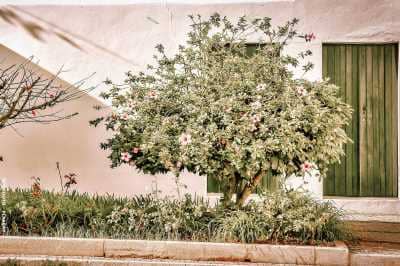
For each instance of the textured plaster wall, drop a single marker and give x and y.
(110, 40)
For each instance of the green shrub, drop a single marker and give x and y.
(296, 215)
(214, 110)
(285, 216)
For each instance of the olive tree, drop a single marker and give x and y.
(219, 112)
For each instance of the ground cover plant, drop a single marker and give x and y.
(215, 110)
(282, 217)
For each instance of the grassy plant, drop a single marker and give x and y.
(284, 216)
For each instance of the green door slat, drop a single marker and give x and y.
(369, 133)
(381, 121)
(394, 120)
(355, 122)
(341, 58)
(388, 117)
(363, 176)
(349, 129)
(328, 188)
(375, 188)
(329, 72)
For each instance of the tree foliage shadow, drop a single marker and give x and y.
(34, 29)
(38, 28)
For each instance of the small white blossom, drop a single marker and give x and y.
(131, 104)
(125, 156)
(185, 139)
(301, 91)
(256, 119)
(152, 94)
(256, 105)
(261, 87)
(126, 115)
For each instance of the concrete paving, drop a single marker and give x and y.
(375, 253)
(99, 261)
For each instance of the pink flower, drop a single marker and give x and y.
(152, 94)
(309, 37)
(255, 119)
(131, 104)
(301, 91)
(125, 116)
(33, 112)
(307, 166)
(185, 139)
(125, 156)
(136, 150)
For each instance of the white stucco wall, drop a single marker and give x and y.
(110, 40)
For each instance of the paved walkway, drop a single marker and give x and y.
(376, 247)
(97, 261)
(375, 253)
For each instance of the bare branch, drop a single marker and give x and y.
(26, 96)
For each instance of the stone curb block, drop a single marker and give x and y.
(51, 246)
(282, 254)
(361, 259)
(202, 251)
(338, 255)
(176, 250)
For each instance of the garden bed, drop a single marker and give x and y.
(283, 217)
(177, 250)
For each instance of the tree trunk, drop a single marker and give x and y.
(248, 189)
(229, 191)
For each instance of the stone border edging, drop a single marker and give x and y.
(176, 250)
(51, 246)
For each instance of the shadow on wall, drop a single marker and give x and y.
(38, 28)
(38, 32)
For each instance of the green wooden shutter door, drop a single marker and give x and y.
(367, 77)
